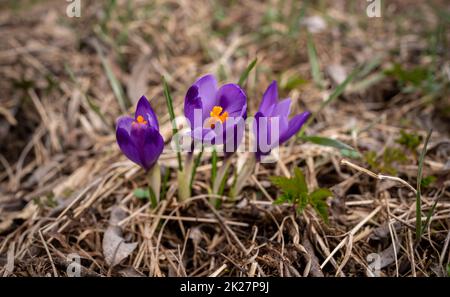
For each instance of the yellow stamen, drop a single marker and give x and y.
(217, 115)
(140, 119)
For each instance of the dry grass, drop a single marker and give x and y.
(62, 176)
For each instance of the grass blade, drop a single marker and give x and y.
(113, 81)
(418, 195)
(92, 105)
(214, 165)
(430, 213)
(325, 141)
(344, 148)
(314, 62)
(339, 89)
(336, 93)
(246, 72)
(169, 103)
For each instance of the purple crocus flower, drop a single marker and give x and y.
(139, 138)
(216, 115)
(270, 109)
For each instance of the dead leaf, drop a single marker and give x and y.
(137, 82)
(337, 73)
(130, 272)
(382, 232)
(115, 249)
(314, 24)
(315, 271)
(7, 218)
(8, 115)
(196, 235)
(387, 256)
(75, 180)
(9, 267)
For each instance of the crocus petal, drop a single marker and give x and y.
(127, 146)
(148, 143)
(207, 88)
(282, 108)
(218, 133)
(263, 131)
(233, 135)
(232, 99)
(192, 102)
(281, 111)
(145, 110)
(255, 126)
(152, 148)
(294, 126)
(269, 98)
(261, 134)
(124, 122)
(243, 112)
(204, 134)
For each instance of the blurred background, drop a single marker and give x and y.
(66, 78)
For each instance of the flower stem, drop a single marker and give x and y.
(154, 184)
(220, 180)
(194, 168)
(164, 182)
(242, 176)
(184, 178)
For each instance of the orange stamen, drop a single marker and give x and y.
(140, 119)
(217, 116)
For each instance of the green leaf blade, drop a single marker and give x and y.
(418, 194)
(344, 148)
(300, 181)
(318, 200)
(314, 62)
(325, 141)
(169, 103)
(246, 72)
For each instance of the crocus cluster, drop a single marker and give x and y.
(216, 116)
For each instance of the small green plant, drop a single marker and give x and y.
(46, 201)
(147, 195)
(371, 158)
(141, 193)
(292, 82)
(414, 76)
(428, 181)
(410, 140)
(295, 191)
(391, 155)
(385, 163)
